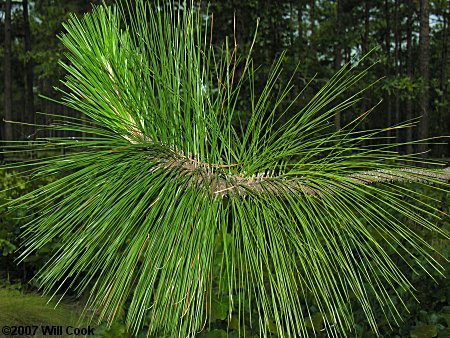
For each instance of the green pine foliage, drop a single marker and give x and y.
(166, 179)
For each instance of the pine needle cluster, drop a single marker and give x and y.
(166, 173)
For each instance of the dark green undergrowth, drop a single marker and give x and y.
(428, 316)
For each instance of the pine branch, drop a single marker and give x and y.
(174, 181)
(219, 183)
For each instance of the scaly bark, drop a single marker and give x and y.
(29, 116)
(409, 73)
(424, 66)
(7, 74)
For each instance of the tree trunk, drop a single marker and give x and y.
(29, 96)
(365, 42)
(338, 54)
(397, 117)
(444, 56)
(443, 80)
(388, 64)
(300, 44)
(424, 60)
(409, 73)
(7, 74)
(312, 18)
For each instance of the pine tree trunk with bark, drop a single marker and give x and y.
(409, 73)
(8, 135)
(338, 54)
(28, 117)
(424, 61)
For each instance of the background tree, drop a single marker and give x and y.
(424, 59)
(7, 99)
(28, 113)
(311, 33)
(338, 53)
(409, 73)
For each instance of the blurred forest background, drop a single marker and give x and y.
(411, 41)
